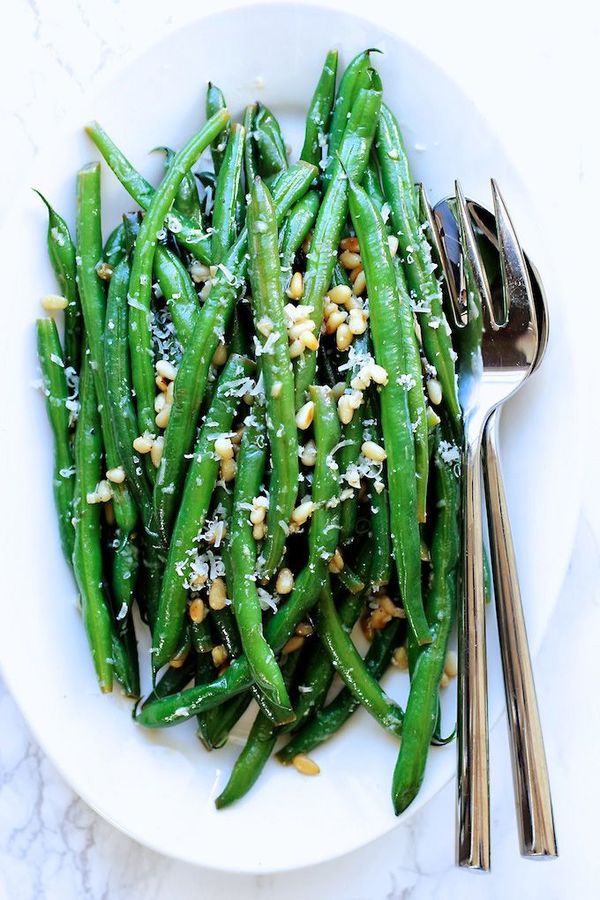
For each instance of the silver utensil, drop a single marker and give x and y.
(497, 349)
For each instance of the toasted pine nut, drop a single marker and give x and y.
(393, 244)
(355, 273)
(296, 288)
(53, 302)
(143, 443)
(228, 469)
(257, 514)
(304, 629)
(166, 369)
(178, 661)
(333, 322)
(309, 340)
(387, 605)
(116, 475)
(104, 271)
(305, 415)
(373, 451)
(360, 284)
(357, 322)
(161, 383)
(305, 765)
(336, 563)
(162, 419)
(259, 531)
(444, 681)
(198, 271)
(355, 398)
(345, 410)
(224, 448)
(451, 664)
(434, 391)
(293, 644)
(159, 402)
(285, 581)
(338, 389)
(296, 349)
(350, 243)
(400, 658)
(197, 610)
(340, 294)
(219, 655)
(329, 309)
(378, 374)
(350, 260)
(343, 337)
(217, 595)
(220, 356)
(309, 453)
(303, 512)
(156, 451)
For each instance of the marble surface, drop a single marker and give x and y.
(51, 844)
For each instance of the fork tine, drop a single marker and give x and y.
(457, 308)
(475, 261)
(516, 286)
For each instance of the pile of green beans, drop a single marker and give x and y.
(241, 400)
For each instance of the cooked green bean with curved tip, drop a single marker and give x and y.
(115, 247)
(322, 537)
(276, 370)
(386, 331)
(270, 146)
(93, 304)
(61, 252)
(329, 720)
(353, 156)
(350, 666)
(194, 505)
(186, 232)
(257, 749)
(215, 101)
(357, 76)
(242, 549)
(319, 112)
(186, 199)
(372, 184)
(193, 371)
(56, 392)
(140, 282)
(87, 550)
(227, 194)
(295, 230)
(177, 288)
(423, 701)
(416, 256)
(250, 169)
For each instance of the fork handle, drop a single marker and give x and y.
(530, 773)
(473, 801)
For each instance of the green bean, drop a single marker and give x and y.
(200, 635)
(178, 290)
(422, 707)
(329, 720)
(118, 389)
(372, 184)
(250, 170)
(140, 283)
(319, 111)
(350, 580)
(204, 673)
(131, 228)
(124, 575)
(242, 548)
(193, 507)
(186, 232)
(353, 156)
(173, 680)
(386, 330)
(419, 269)
(318, 672)
(272, 153)
(276, 369)
(227, 194)
(357, 76)
(352, 436)
(215, 102)
(193, 371)
(56, 393)
(295, 229)
(115, 247)
(416, 397)
(256, 751)
(350, 666)
(186, 199)
(87, 550)
(125, 659)
(322, 541)
(219, 720)
(61, 252)
(381, 550)
(93, 303)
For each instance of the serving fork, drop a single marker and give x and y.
(498, 345)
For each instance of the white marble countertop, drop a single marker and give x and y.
(51, 844)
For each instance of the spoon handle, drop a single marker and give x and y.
(530, 773)
(473, 801)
